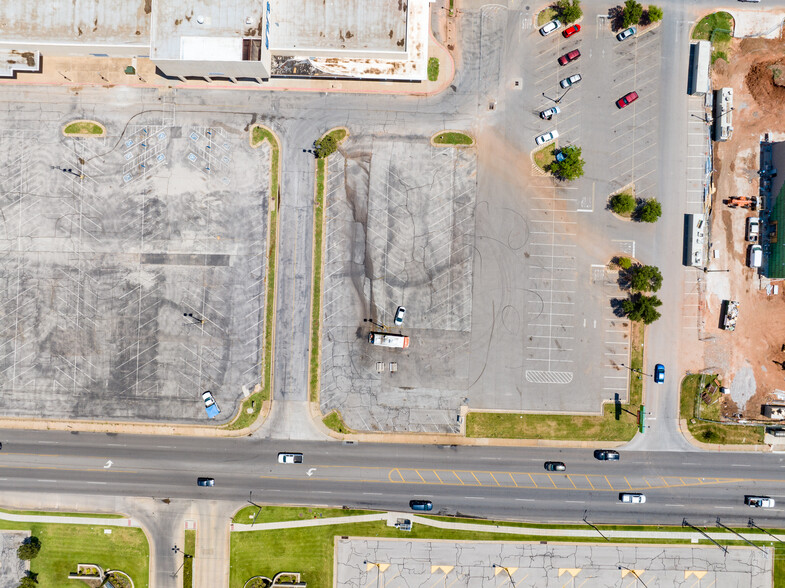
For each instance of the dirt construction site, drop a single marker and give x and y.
(749, 359)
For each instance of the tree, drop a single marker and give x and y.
(571, 167)
(622, 203)
(29, 548)
(325, 146)
(645, 278)
(28, 581)
(655, 13)
(650, 211)
(624, 263)
(569, 11)
(642, 308)
(633, 11)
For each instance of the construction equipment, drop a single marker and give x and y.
(749, 202)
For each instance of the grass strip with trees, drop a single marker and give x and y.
(65, 546)
(325, 146)
(706, 426)
(619, 422)
(189, 550)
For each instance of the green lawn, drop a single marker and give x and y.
(188, 562)
(546, 15)
(274, 514)
(83, 128)
(714, 28)
(65, 546)
(618, 423)
(48, 513)
(544, 157)
(453, 139)
(433, 69)
(779, 567)
(712, 432)
(335, 422)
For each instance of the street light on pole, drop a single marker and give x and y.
(506, 569)
(632, 369)
(634, 573)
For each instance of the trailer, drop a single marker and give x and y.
(699, 68)
(731, 314)
(388, 340)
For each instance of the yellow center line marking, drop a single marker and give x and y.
(419, 474)
(532, 479)
(608, 482)
(628, 482)
(494, 479)
(513, 479)
(588, 479)
(395, 471)
(569, 477)
(454, 473)
(551, 479)
(435, 473)
(476, 478)
(113, 470)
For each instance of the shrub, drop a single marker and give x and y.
(624, 263)
(569, 11)
(622, 203)
(571, 167)
(633, 11)
(650, 211)
(654, 13)
(642, 308)
(326, 146)
(29, 549)
(433, 69)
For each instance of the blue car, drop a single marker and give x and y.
(659, 373)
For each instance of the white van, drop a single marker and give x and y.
(756, 256)
(753, 228)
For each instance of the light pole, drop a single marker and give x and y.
(379, 569)
(632, 369)
(560, 98)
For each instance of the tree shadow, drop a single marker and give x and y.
(616, 17)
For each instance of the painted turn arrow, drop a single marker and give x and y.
(310, 472)
(108, 464)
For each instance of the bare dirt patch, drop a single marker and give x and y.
(753, 353)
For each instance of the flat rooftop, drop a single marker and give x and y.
(228, 19)
(108, 22)
(351, 25)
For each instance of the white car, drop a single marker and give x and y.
(626, 33)
(753, 228)
(399, 316)
(550, 112)
(550, 27)
(632, 498)
(759, 501)
(545, 138)
(290, 458)
(567, 82)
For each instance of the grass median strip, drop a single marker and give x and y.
(188, 562)
(335, 422)
(619, 422)
(276, 514)
(84, 127)
(65, 546)
(47, 513)
(701, 407)
(452, 138)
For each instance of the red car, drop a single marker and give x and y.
(628, 99)
(571, 56)
(571, 31)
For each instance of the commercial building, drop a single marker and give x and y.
(230, 39)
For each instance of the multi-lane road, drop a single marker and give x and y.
(471, 481)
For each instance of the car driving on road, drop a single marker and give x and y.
(290, 458)
(549, 113)
(759, 501)
(550, 27)
(567, 82)
(626, 33)
(569, 56)
(632, 498)
(555, 466)
(421, 505)
(546, 137)
(606, 454)
(206, 482)
(659, 373)
(570, 31)
(627, 99)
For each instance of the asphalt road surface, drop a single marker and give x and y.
(470, 481)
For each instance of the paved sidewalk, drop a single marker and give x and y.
(497, 529)
(66, 520)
